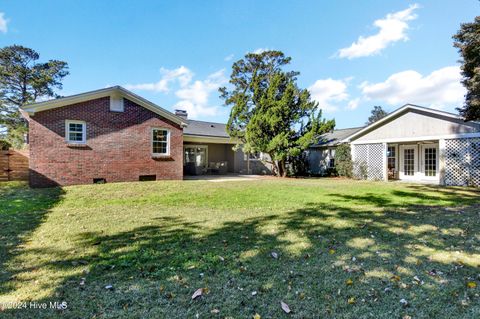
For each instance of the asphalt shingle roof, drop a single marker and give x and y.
(334, 137)
(206, 129)
(203, 128)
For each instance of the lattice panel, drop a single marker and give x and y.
(368, 162)
(462, 162)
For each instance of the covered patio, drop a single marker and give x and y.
(208, 150)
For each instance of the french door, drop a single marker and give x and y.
(419, 162)
(429, 161)
(408, 161)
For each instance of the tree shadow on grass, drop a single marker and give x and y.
(390, 254)
(415, 195)
(22, 210)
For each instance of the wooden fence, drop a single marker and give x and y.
(14, 165)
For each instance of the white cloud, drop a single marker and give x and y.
(3, 23)
(353, 104)
(229, 57)
(328, 92)
(182, 74)
(260, 50)
(392, 29)
(439, 89)
(194, 97)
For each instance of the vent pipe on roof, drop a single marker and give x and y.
(181, 113)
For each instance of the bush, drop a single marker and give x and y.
(4, 145)
(298, 165)
(343, 160)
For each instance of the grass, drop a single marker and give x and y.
(346, 249)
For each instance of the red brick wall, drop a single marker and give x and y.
(118, 145)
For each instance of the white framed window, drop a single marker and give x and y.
(75, 132)
(160, 142)
(255, 156)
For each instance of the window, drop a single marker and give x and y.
(76, 132)
(431, 161)
(331, 163)
(409, 161)
(255, 156)
(391, 160)
(160, 141)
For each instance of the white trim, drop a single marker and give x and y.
(168, 141)
(67, 131)
(385, 162)
(418, 138)
(402, 109)
(31, 109)
(397, 161)
(441, 164)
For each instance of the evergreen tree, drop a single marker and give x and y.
(376, 114)
(270, 113)
(23, 81)
(467, 40)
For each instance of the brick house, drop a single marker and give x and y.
(114, 135)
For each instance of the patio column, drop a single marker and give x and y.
(385, 164)
(441, 161)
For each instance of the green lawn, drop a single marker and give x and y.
(346, 249)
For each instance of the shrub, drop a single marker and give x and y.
(4, 145)
(343, 160)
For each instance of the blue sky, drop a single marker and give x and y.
(351, 54)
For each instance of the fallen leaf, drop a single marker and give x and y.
(395, 278)
(331, 251)
(254, 293)
(109, 287)
(214, 311)
(274, 255)
(404, 302)
(349, 282)
(351, 300)
(285, 307)
(257, 316)
(197, 293)
(471, 284)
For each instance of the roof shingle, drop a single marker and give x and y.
(334, 137)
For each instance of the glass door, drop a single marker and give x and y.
(195, 159)
(430, 161)
(409, 161)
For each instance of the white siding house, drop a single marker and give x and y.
(415, 144)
